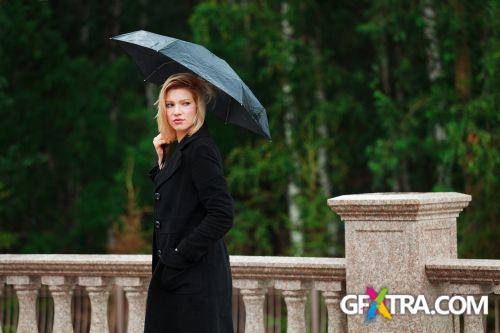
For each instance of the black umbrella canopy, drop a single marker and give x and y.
(159, 56)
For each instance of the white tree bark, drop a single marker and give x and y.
(434, 71)
(324, 180)
(434, 66)
(297, 237)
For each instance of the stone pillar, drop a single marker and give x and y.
(388, 239)
(472, 323)
(335, 316)
(136, 291)
(497, 312)
(332, 293)
(61, 289)
(2, 281)
(26, 288)
(98, 291)
(253, 293)
(295, 295)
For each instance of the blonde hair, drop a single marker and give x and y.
(202, 92)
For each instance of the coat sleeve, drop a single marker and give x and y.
(208, 178)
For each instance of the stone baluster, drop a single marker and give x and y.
(332, 293)
(98, 290)
(472, 323)
(136, 291)
(496, 295)
(2, 281)
(26, 288)
(253, 293)
(61, 289)
(295, 294)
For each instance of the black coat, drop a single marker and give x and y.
(191, 287)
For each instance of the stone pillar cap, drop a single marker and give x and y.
(399, 206)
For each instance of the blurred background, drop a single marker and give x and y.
(362, 96)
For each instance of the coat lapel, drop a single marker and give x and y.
(175, 163)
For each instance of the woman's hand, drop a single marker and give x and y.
(157, 143)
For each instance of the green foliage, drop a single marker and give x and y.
(74, 108)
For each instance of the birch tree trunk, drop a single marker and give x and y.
(434, 71)
(434, 66)
(323, 134)
(296, 237)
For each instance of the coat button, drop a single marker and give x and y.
(157, 224)
(159, 253)
(157, 196)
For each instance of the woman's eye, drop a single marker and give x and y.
(168, 105)
(186, 103)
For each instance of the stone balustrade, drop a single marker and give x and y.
(475, 277)
(293, 276)
(62, 272)
(405, 242)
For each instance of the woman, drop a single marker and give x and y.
(191, 286)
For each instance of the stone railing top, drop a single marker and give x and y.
(76, 264)
(399, 206)
(464, 271)
(398, 198)
(300, 268)
(242, 267)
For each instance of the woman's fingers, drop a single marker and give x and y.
(159, 144)
(158, 141)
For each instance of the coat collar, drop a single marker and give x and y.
(202, 132)
(174, 163)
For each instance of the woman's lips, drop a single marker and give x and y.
(178, 121)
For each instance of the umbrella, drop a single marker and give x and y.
(159, 56)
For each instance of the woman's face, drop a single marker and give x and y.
(181, 110)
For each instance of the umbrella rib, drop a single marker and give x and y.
(157, 68)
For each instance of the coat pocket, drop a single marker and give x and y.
(178, 276)
(188, 280)
(169, 233)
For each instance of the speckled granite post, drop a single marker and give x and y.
(253, 293)
(2, 282)
(295, 293)
(472, 323)
(333, 293)
(136, 292)
(388, 239)
(61, 289)
(26, 289)
(98, 291)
